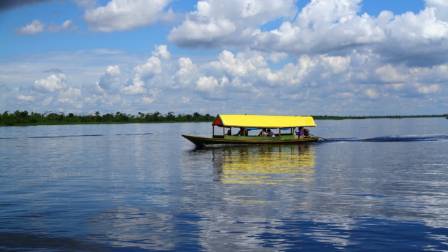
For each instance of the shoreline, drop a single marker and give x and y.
(133, 121)
(325, 117)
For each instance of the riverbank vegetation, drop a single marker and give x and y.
(26, 118)
(329, 117)
(23, 118)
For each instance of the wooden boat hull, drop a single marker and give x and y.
(204, 141)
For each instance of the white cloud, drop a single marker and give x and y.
(389, 74)
(308, 70)
(148, 99)
(185, 100)
(334, 26)
(218, 22)
(137, 87)
(37, 26)
(336, 64)
(54, 91)
(26, 98)
(162, 52)
(32, 28)
(428, 89)
(371, 93)
(66, 25)
(70, 95)
(240, 65)
(147, 70)
(110, 80)
(395, 86)
(195, 33)
(186, 73)
(416, 39)
(276, 57)
(53, 83)
(322, 27)
(113, 70)
(119, 15)
(207, 84)
(18, 77)
(232, 81)
(142, 73)
(169, 16)
(440, 7)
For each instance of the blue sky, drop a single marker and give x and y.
(251, 56)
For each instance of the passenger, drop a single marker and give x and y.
(306, 132)
(229, 132)
(242, 132)
(263, 132)
(270, 133)
(239, 132)
(300, 132)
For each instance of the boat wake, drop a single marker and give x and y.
(82, 135)
(385, 139)
(63, 136)
(133, 134)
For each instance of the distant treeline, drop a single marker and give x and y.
(18, 118)
(328, 117)
(27, 118)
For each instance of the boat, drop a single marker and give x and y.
(257, 129)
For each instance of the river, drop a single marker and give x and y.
(371, 185)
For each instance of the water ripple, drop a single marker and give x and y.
(404, 138)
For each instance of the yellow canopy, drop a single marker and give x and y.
(264, 121)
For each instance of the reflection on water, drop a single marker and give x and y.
(244, 213)
(264, 164)
(137, 228)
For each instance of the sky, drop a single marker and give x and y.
(334, 57)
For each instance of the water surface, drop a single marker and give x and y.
(373, 185)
